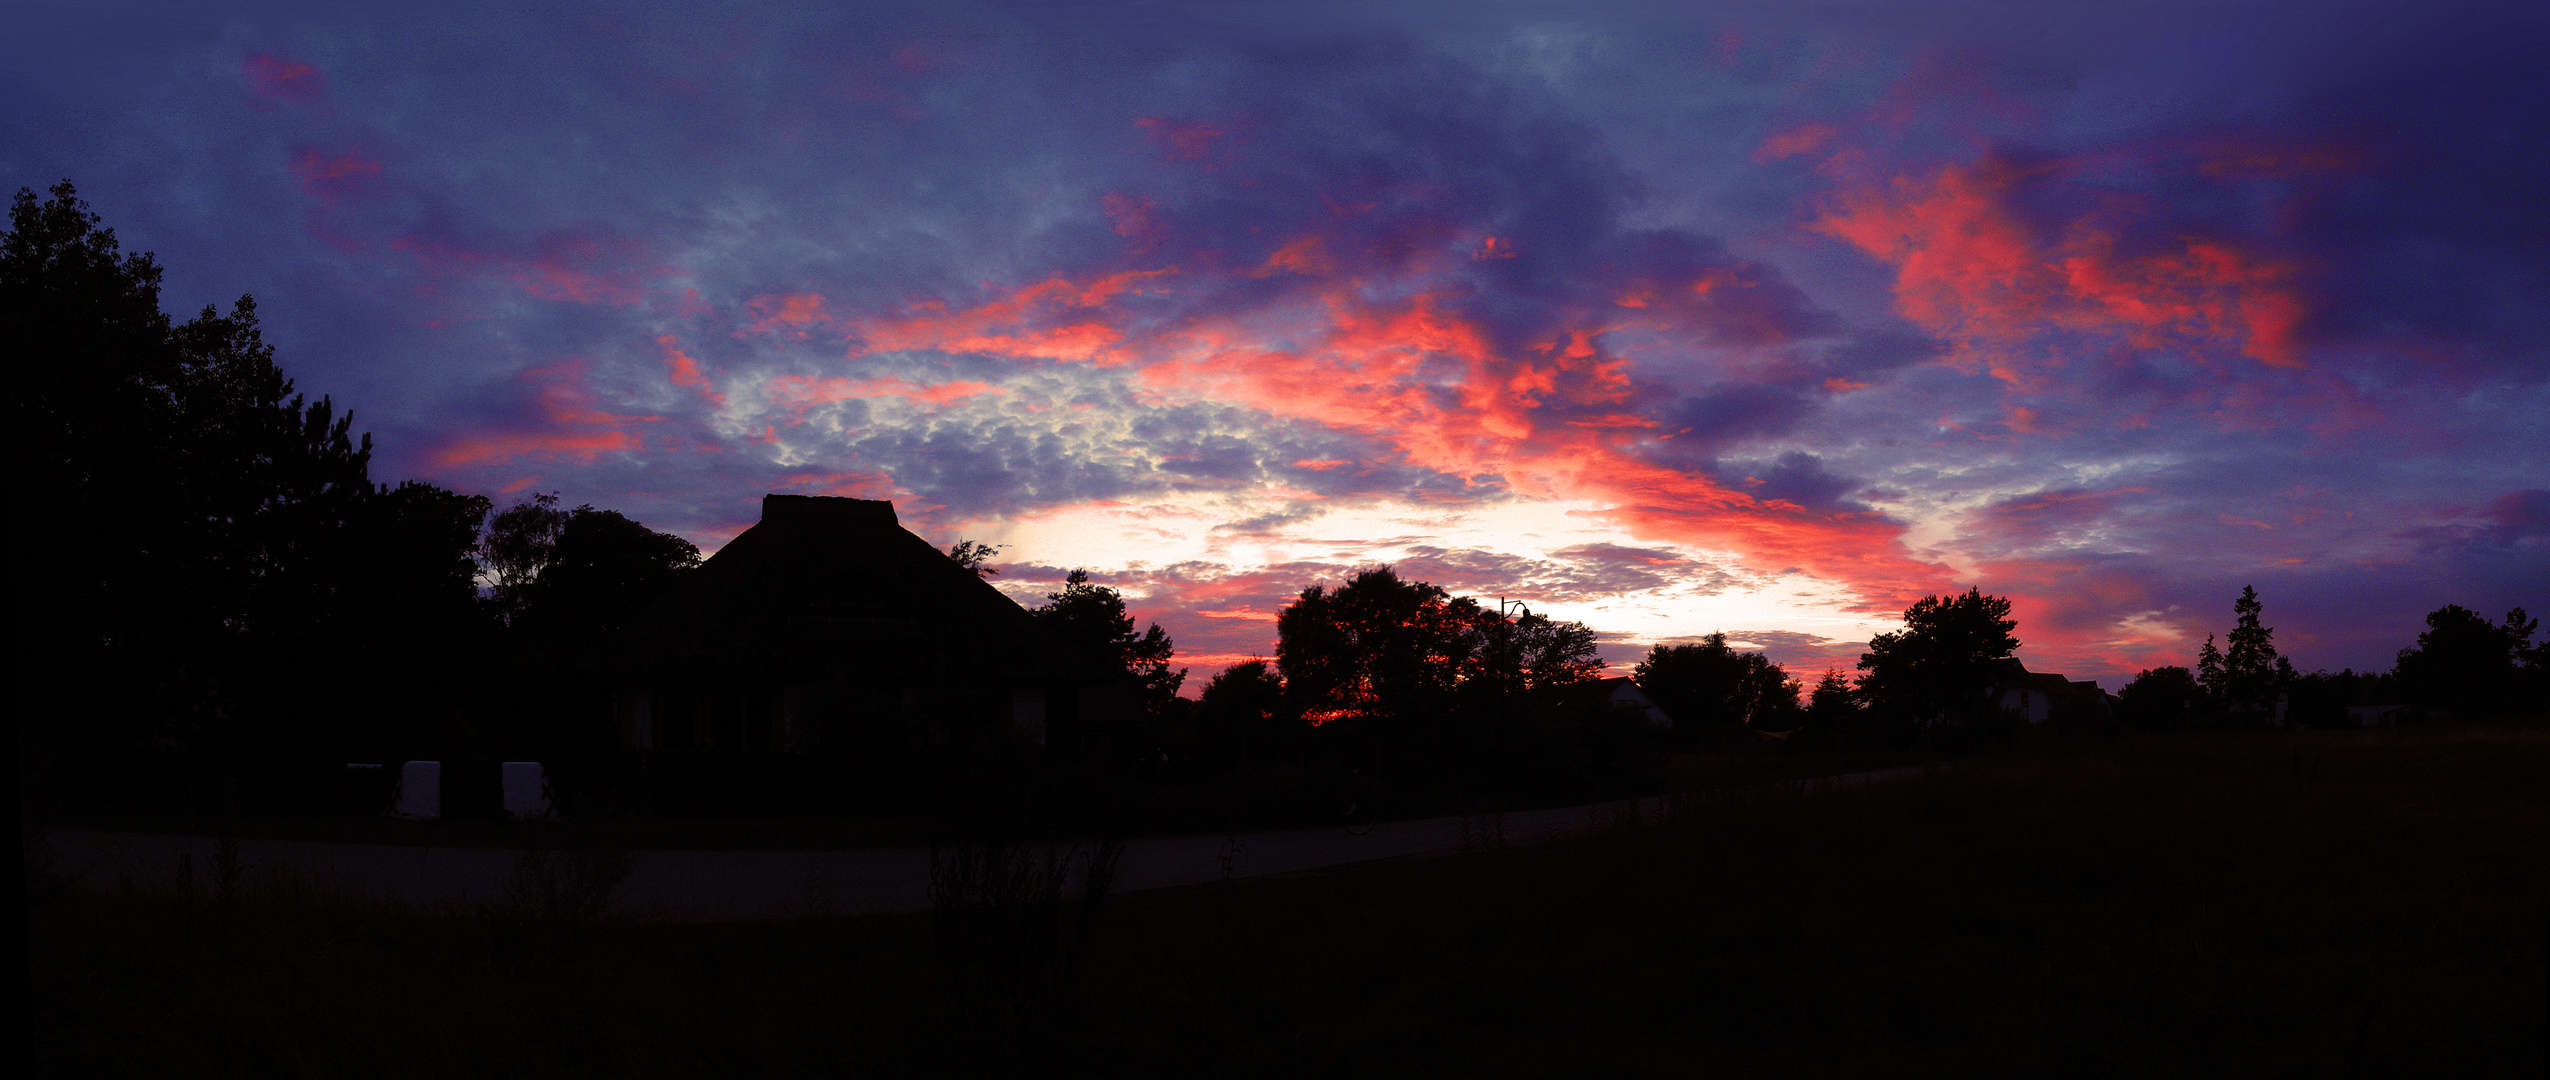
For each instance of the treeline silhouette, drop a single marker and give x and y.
(1938, 684)
(2461, 667)
(225, 606)
(229, 608)
(212, 576)
(1402, 680)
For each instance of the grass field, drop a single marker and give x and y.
(2312, 904)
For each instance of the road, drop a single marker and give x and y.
(716, 886)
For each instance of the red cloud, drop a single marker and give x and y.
(1429, 384)
(274, 79)
(576, 427)
(1181, 140)
(331, 178)
(791, 315)
(1411, 372)
(2081, 616)
(914, 57)
(685, 371)
(1972, 268)
(576, 264)
(1802, 139)
(1053, 319)
(1244, 616)
(1307, 255)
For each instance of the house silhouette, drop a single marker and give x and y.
(824, 624)
(2033, 696)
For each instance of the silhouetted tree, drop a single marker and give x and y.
(2249, 676)
(1091, 621)
(577, 575)
(220, 571)
(2319, 699)
(521, 542)
(2161, 699)
(975, 556)
(1834, 704)
(1940, 665)
(2209, 672)
(1420, 676)
(1530, 653)
(1712, 685)
(2464, 663)
(1376, 649)
(91, 430)
(602, 570)
(1242, 708)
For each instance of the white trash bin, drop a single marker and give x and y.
(526, 790)
(420, 791)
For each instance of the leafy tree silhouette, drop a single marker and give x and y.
(520, 543)
(603, 571)
(1376, 649)
(1414, 674)
(976, 556)
(1091, 622)
(1242, 709)
(92, 424)
(1711, 685)
(2161, 699)
(574, 576)
(222, 569)
(2464, 663)
(1941, 664)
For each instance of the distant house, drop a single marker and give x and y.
(2033, 695)
(826, 619)
(1625, 695)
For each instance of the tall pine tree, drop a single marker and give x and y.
(2248, 676)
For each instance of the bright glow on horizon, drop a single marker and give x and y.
(1154, 550)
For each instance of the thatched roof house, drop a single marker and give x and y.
(823, 622)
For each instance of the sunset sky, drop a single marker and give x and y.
(1668, 318)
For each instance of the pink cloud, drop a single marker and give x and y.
(1972, 267)
(793, 315)
(1182, 140)
(1790, 142)
(273, 79)
(1412, 373)
(574, 425)
(685, 371)
(578, 264)
(332, 178)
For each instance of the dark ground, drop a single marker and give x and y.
(1212, 803)
(2311, 904)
